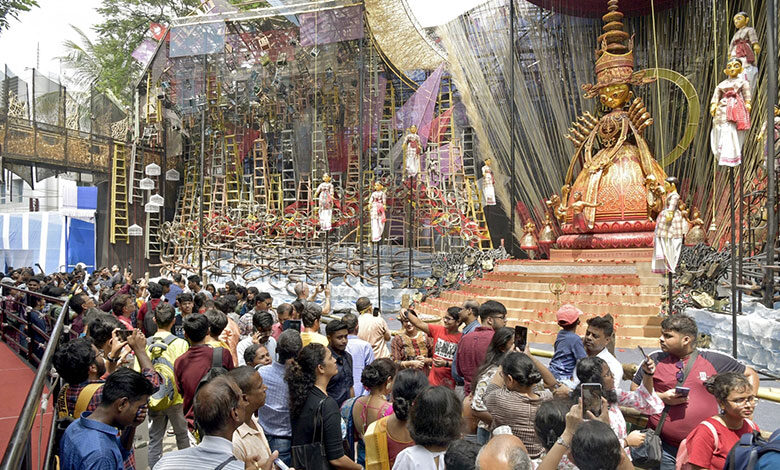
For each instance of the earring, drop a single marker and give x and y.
(721, 410)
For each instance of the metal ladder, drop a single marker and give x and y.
(119, 215)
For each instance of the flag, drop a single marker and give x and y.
(434, 130)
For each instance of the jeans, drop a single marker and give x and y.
(159, 420)
(669, 457)
(283, 445)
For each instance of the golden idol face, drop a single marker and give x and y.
(740, 21)
(615, 96)
(733, 68)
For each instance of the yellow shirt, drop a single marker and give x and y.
(250, 445)
(311, 337)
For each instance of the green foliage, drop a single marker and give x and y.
(107, 62)
(11, 8)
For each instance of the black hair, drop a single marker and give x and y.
(126, 383)
(217, 321)
(591, 370)
(243, 376)
(461, 455)
(213, 413)
(262, 296)
(605, 324)
(184, 297)
(550, 420)
(262, 321)
(252, 290)
(334, 326)
(164, 282)
(91, 314)
(250, 352)
(435, 418)
(196, 327)
(520, 367)
(200, 300)
(284, 309)
(298, 306)
(362, 304)
(301, 375)
(377, 373)
(288, 345)
(101, 328)
(682, 324)
(177, 278)
(241, 290)
(454, 312)
(494, 352)
(72, 360)
(118, 304)
(721, 385)
(77, 303)
(222, 304)
(351, 320)
(311, 313)
(230, 286)
(164, 314)
(595, 446)
(155, 290)
(491, 308)
(194, 278)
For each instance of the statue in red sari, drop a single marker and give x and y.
(730, 109)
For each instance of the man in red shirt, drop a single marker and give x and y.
(473, 346)
(678, 342)
(193, 365)
(445, 340)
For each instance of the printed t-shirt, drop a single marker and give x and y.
(701, 404)
(445, 345)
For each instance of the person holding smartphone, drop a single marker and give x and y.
(445, 340)
(372, 328)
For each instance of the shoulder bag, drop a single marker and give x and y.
(312, 456)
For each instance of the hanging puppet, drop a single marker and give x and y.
(376, 208)
(670, 230)
(744, 46)
(730, 109)
(488, 184)
(412, 149)
(324, 194)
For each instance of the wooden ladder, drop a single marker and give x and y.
(119, 215)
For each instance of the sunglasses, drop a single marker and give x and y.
(680, 374)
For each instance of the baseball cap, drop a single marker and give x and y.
(567, 314)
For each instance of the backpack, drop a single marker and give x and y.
(746, 453)
(167, 393)
(682, 451)
(65, 417)
(214, 371)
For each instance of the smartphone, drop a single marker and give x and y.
(642, 351)
(376, 311)
(123, 334)
(292, 325)
(682, 391)
(591, 399)
(129, 268)
(521, 337)
(406, 300)
(281, 465)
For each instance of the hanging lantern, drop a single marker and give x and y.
(152, 169)
(157, 200)
(171, 175)
(135, 230)
(151, 208)
(146, 184)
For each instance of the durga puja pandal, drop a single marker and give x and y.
(589, 153)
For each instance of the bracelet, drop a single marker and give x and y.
(560, 441)
(112, 359)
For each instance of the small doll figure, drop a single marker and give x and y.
(325, 193)
(488, 188)
(730, 109)
(376, 207)
(577, 208)
(412, 148)
(744, 46)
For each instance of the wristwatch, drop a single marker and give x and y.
(560, 441)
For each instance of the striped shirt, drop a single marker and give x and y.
(518, 411)
(211, 452)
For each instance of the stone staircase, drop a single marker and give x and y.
(603, 281)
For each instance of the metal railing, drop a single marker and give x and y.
(20, 329)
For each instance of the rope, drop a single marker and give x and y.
(657, 82)
(714, 48)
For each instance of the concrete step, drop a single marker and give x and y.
(570, 287)
(569, 296)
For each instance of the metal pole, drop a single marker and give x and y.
(361, 215)
(327, 257)
(669, 293)
(741, 254)
(733, 267)
(512, 126)
(202, 167)
(771, 101)
(378, 277)
(413, 183)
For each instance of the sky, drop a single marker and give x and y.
(47, 26)
(435, 12)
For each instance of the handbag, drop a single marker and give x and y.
(312, 456)
(648, 455)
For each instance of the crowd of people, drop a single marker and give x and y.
(246, 382)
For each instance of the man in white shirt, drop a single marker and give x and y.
(597, 336)
(361, 352)
(372, 328)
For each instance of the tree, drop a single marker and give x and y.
(12, 8)
(108, 61)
